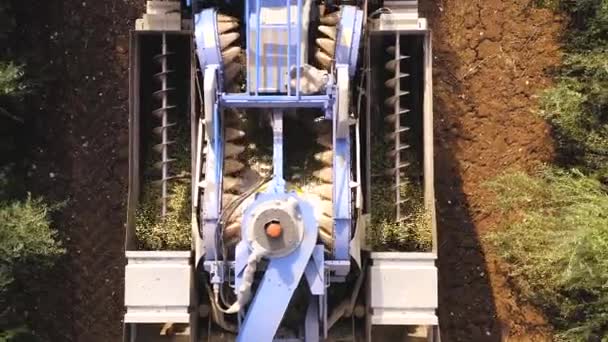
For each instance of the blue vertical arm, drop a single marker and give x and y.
(341, 166)
(214, 163)
(278, 182)
(298, 49)
(289, 29)
(258, 52)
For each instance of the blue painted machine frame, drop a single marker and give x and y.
(309, 259)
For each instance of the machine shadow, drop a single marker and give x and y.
(467, 308)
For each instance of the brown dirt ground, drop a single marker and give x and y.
(491, 58)
(80, 154)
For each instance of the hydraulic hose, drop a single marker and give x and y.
(244, 291)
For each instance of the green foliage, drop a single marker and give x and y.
(11, 79)
(414, 233)
(556, 245)
(555, 240)
(19, 334)
(589, 25)
(589, 18)
(28, 244)
(26, 237)
(579, 119)
(577, 106)
(173, 231)
(12, 88)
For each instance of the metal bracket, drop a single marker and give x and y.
(315, 271)
(280, 281)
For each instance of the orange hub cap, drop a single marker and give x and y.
(274, 230)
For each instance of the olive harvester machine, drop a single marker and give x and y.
(282, 103)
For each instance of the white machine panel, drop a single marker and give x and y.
(157, 287)
(403, 289)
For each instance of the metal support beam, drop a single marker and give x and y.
(311, 324)
(278, 182)
(275, 101)
(214, 165)
(341, 166)
(427, 123)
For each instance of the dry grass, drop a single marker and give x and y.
(556, 246)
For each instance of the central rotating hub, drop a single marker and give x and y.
(275, 227)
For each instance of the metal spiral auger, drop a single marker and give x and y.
(163, 113)
(396, 111)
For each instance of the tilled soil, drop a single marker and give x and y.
(491, 59)
(80, 49)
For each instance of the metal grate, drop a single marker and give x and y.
(270, 60)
